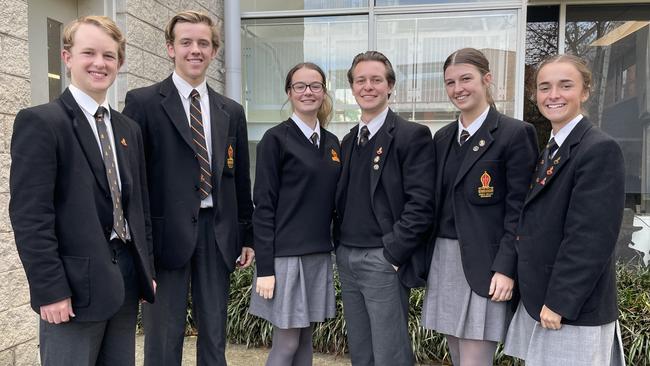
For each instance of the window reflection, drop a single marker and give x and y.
(266, 5)
(542, 37)
(272, 46)
(418, 44)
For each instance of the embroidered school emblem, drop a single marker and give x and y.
(335, 156)
(123, 142)
(485, 191)
(231, 160)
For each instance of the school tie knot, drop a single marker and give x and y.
(363, 136)
(464, 135)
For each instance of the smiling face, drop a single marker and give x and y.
(92, 61)
(307, 103)
(370, 88)
(467, 90)
(560, 93)
(192, 51)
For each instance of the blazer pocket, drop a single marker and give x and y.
(485, 183)
(76, 270)
(230, 161)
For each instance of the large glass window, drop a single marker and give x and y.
(267, 5)
(424, 2)
(542, 37)
(272, 46)
(418, 44)
(55, 70)
(615, 42)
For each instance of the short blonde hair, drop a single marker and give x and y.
(104, 23)
(194, 17)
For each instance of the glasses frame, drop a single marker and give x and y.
(299, 83)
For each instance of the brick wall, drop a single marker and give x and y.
(18, 323)
(143, 21)
(146, 57)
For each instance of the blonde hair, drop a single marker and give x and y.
(194, 17)
(104, 23)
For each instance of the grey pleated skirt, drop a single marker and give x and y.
(451, 307)
(571, 345)
(304, 292)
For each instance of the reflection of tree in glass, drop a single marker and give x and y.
(579, 37)
(541, 42)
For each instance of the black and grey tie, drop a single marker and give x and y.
(363, 136)
(119, 223)
(198, 136)
(464, 135)
(314, 139)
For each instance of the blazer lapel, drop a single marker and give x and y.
(481, 142)
(560, 159)
(86, 139)
(219, 122)
(446, 140)
(121, 134)
(382, 147)
(346, 152)
(173, 106)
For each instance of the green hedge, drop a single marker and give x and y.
(329, 337)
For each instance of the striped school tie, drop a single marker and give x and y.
(119, 223)
(198, 136)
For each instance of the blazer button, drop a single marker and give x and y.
(114, 260)
(517, 238)
(196, 188)
(194, 220)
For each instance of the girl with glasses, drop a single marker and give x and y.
(297, 170)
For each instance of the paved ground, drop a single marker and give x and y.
(239, 355)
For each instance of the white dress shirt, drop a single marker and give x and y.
(473, 126)
(374, 124)
(306, 130)
(89, 107)
(184, 91)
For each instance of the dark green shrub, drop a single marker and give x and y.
(329, 337)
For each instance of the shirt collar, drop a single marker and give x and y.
(374, 124)
(306, 130)
(185, 89)
(474, 126)
(87, 103)
(564, 132)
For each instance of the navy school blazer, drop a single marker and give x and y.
(61, 208)
(568, 230)
(173, 173)
(488, 194)
(400, 191)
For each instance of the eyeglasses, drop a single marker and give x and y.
(300, 87)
